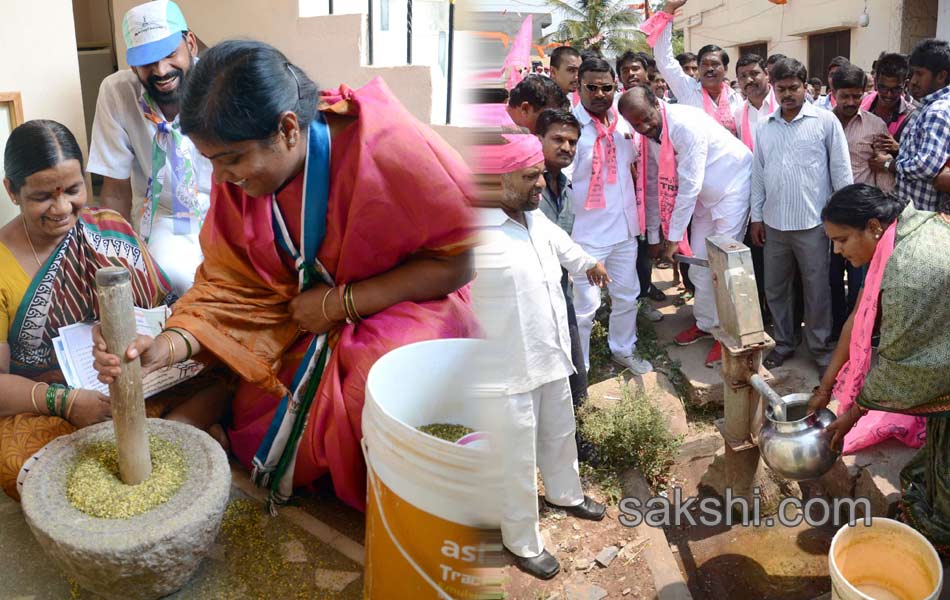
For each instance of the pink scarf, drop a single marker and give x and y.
(747, 138)
(721, 112)
(605, 151)
(876, 426)
(655, 25)
(667, 184)
(575, 98)
(642, 185)
(868, 102)
(850, 378)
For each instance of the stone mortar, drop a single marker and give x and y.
(147, 556)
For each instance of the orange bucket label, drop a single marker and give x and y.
(414, 554)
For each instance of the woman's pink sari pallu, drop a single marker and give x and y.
(395, 189)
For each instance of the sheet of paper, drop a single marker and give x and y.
(73, 349)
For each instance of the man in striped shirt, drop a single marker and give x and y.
(800, 159)
(925, 142)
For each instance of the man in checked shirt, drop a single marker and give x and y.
(925, 143)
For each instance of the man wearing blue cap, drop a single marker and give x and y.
(152, 174)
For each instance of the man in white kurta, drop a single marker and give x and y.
(606, 221)
(713, 174)
(713, 65)
(538, 432)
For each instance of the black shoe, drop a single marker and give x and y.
(542, 566)
(656, 294)
(776, 359)
(589, 509)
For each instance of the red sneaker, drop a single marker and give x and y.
(691, 335)
(715, 355)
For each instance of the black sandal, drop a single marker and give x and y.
(776, 359)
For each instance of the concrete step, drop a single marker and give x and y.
(873, 473)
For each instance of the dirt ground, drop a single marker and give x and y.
(576, 543)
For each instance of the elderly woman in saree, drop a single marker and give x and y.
(338, 231)
(904, 298)
(49, 255)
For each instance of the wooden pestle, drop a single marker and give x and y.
(117, 315)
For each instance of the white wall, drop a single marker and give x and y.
(331, 49)
(943, 19)
(39, 60)
(785, 28)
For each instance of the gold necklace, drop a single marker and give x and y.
(26, 231)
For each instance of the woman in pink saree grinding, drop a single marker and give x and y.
(339, 229)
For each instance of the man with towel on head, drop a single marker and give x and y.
(538, 429)
(704, 173)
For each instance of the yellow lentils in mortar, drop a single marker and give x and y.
(94, 486)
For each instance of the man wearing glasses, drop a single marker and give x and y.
(606, 215)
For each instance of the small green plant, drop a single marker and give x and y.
(630, 433)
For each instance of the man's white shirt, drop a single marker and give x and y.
(617, 222)
(121, 146)
(538, 350)
(687, 90)
(710, 163)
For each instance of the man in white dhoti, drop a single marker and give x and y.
(538, 429)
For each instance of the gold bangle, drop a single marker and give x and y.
(323, 306)
(171, 349)
(356, 314)
(33, 396)
(70, 400)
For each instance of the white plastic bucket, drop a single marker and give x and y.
(431, 503)
(887, 560)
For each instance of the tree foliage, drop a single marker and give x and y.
(607, 26)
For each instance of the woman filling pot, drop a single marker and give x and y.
(338, 230)
(904, 298)
(49, 256)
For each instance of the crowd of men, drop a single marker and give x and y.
(647, 156)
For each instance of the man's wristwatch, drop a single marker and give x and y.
(888, 163)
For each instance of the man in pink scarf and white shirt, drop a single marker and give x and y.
(704, 174)
(607, 216)
(760, 102)
(710, 93)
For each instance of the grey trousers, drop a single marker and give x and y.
(808, 251)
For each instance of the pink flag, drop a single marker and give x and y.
(519, 56)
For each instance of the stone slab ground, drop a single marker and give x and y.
(294, 555)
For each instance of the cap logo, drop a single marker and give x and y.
(143, 27)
